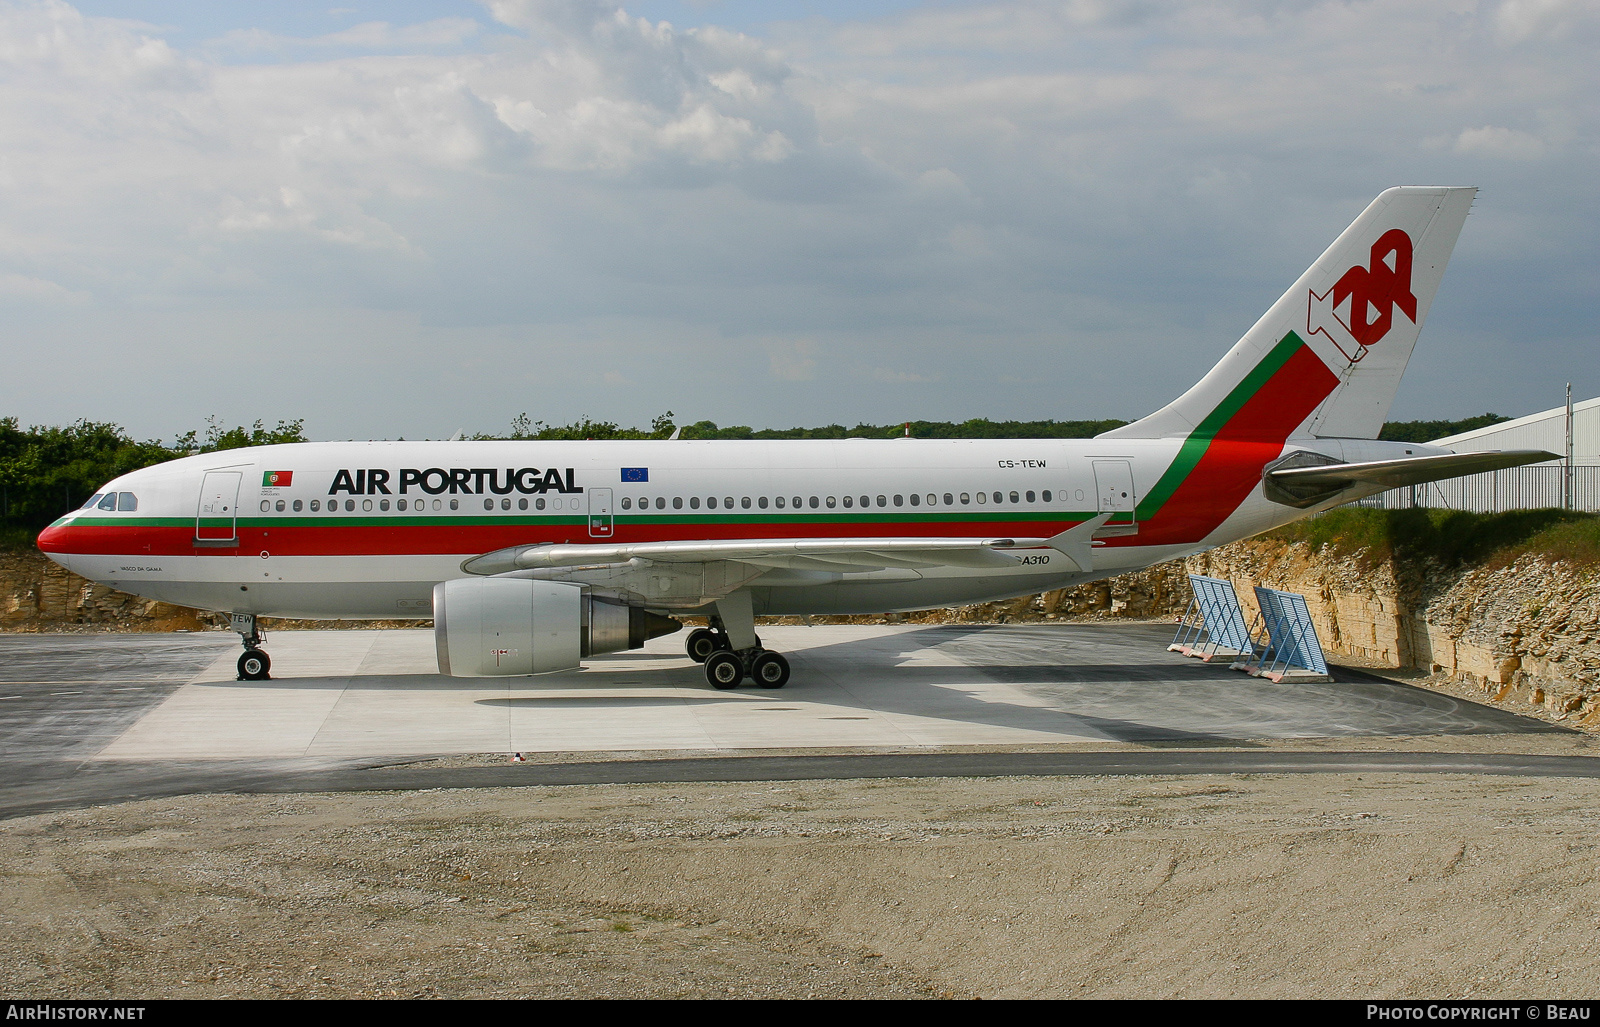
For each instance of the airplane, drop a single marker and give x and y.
(533, 556)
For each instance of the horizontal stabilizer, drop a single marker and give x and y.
(1414, 470)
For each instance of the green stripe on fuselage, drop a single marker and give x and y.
(1199, 440)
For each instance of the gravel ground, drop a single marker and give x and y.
(1217, 886)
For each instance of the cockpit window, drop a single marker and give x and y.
(127, 501)
(92, 500)
(109, 502)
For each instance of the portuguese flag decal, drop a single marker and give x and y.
(276, 479)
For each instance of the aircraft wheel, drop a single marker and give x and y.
(724, 670)
(254, 665)
(700, 644)
(771, 670)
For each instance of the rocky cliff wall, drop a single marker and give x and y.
(1529, 631)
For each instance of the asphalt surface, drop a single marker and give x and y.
(65, 698)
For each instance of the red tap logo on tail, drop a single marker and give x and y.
(1367, 297)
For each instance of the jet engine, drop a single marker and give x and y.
(490, 627)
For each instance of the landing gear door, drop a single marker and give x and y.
(600, 513)
(216, 521)
(1113, 482)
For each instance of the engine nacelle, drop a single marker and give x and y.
(493, 627)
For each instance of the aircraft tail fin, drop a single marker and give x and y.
(1326, 359)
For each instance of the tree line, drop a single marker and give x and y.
(46, 471)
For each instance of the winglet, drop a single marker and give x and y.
(1077, 543)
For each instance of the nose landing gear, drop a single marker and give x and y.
(255, 664)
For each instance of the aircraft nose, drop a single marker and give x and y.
(53, 539)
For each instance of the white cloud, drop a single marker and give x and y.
(792, 360)
(1494, 141)
(370, 35)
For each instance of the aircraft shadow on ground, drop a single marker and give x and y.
(1155, 697)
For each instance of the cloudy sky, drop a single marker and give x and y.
(414, 217)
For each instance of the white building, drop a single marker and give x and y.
(1545, 430)
(1549, 484)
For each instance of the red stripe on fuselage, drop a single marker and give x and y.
(1231, 467)
(428, 540)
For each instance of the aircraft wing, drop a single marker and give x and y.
(847, 554)
(1391, 474)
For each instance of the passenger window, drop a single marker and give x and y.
(1045, 495)
(438, 504)
(505, 504)
(350, 506)
(899, 501)
(744, 502)
(780, 501)
(627, 504)
(999, 497)
(933, 500)
(983, 497)
(399, 504)
(455, 504)
(916, 500)
(727, 502)
(92, 500)
(366, 505)
(298, 505)
(110, 502)
(677, 502)
(316, 504)
(797, 502)
(1030, 497)
(266, 505)
(965, 499)
(832, 503)
(383, 504)
(661, 502)
(866, 501)
(762, 502)
(694, 502)
(882, 501)
(949, 500)
(488, 504)
(1014, 497)
(522, 504)
(127, 501)
(849, 501)
(814, 503)
(282, 506)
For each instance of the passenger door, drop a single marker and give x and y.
(216, 521)
(1113, 482)
(600, 513)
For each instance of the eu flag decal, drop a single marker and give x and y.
(636, 474)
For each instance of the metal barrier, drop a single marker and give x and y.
(1534, 487)
(1213, 625)
(1287, 638)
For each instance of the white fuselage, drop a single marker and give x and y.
(365, 530)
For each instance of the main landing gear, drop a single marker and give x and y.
(727, 667)
(255, 663)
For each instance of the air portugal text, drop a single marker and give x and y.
(471, 481)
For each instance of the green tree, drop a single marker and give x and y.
(218, 438)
